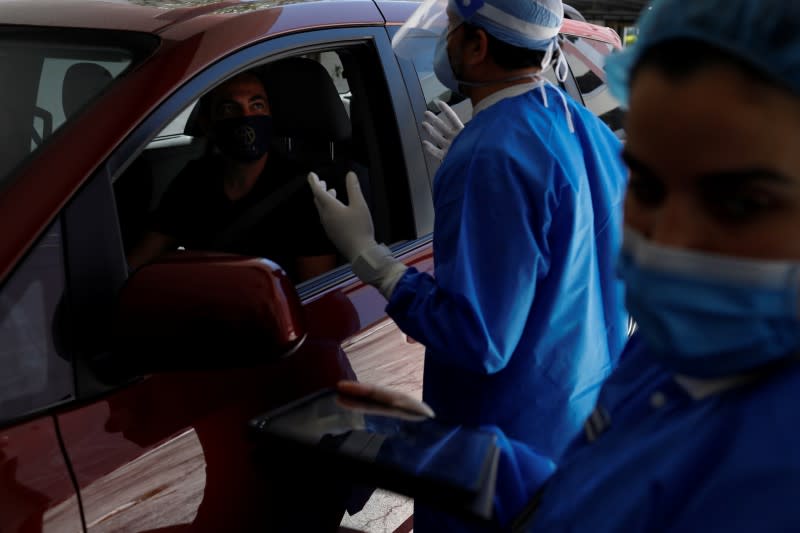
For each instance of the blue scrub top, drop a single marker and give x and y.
(525, 317)
(660, 460)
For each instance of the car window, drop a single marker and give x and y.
(44, 82)
(34, 375)
(65, 85)
(333, 64)
(330, 127)
(432, 88)
(330, 60)
(587, 58)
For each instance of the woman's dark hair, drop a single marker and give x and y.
(506, 56)
(682, 58)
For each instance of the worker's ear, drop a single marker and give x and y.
(476, 48)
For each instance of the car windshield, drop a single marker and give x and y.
(45, 81)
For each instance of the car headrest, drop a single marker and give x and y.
(82, 82)
(304, 101)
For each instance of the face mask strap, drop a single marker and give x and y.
(561, 68)
(548, 58)
(533, 76)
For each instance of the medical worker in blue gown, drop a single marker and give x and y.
(524, 318)
(699, 427)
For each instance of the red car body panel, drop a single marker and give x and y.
(36, 492)
(124, 449)
(590, 31)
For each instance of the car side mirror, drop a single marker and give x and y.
(197, 311)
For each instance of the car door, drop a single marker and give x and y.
(170, 451)
(36, 490)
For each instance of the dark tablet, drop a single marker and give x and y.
(452, 467)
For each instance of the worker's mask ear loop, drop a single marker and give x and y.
(561, 70)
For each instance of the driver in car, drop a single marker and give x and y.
(240, 198)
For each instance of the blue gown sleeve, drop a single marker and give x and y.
(474, 312)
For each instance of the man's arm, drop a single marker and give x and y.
(152, 245)
(169, 218)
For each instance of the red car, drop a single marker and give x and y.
(124, 398)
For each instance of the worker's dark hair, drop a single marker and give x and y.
(505, 55)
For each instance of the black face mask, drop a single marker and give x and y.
(243, 139)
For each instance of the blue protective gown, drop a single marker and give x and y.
(664, 460)
(525, 317)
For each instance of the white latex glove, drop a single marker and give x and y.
(441, 130)
(350, 229)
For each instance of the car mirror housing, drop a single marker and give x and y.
(197, 311)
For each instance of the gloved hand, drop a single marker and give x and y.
(350, 229)
(442, 131)
(385, 396)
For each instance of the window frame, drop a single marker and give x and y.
(139, 45)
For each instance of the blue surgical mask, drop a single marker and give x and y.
(441, 64)
(709, 315)
(244, 139)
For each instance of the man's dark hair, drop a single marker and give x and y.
(207, 99)
(505, 55)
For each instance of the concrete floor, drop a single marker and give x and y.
(385, 512)
(397, 364)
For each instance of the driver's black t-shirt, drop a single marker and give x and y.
(196, 211)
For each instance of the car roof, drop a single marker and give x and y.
(172, 16)
(159, 17)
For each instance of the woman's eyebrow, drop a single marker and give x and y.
(635, 165)
(746, 176)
